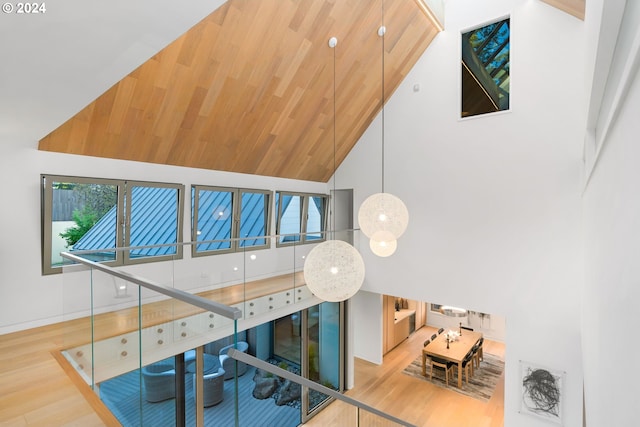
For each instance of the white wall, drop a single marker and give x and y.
(492, 326)
(612, 209)
(494, 201)
(611, 226)
(366, 310)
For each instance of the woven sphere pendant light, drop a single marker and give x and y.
(383, 243)
(334, 270)
(383, 212)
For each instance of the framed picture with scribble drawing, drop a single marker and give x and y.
(542, 392)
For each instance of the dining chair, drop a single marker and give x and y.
(436, 362)
(426, 343)
(433, 337)
(477, 352)
(467, 364)
(466, 328)
(441, 330)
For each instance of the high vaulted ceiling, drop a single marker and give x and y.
(250, 89)
(572, 7)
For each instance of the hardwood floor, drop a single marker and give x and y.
(412, 400)
(37, 388)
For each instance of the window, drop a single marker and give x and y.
(100, 215)
(485, 69)
(300, 217)
(229, 219)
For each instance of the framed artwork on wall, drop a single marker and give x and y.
(542, 392)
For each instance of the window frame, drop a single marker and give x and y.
(122, 232)
(304, 218)
(128, 260)
(236, 216)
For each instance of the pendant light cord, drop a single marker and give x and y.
(382, 35)
(333, 217)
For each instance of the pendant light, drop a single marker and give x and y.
(383, 243)
(334, 269)
(383, 217)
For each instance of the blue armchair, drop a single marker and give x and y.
(213, 387)
(159, 381)
(228, 363)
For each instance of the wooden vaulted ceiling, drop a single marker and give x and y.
(572, 7)
(250, 89)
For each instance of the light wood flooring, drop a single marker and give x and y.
(37, 389)
(419, 402)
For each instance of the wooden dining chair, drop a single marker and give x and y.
(477, 352)
(467, 365)
(441, 330)
(426, 343)
(433, 337)
(436, 362)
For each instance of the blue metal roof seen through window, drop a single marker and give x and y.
(153, 222)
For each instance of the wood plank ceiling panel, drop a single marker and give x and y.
(250, 88)
(572, 7)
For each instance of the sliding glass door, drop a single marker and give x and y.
(322, 352)
(287, 339)
(311, 342)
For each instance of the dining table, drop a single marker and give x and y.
(455, 352)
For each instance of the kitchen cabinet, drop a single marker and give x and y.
(399, 323)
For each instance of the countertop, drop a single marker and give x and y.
(403, 313)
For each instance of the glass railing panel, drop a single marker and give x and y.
(105, 348)
(147, 328)
(273, 281)
(340, 413)
(78, 319)
(122, 342)
(209, 270)
(290, 384)
(369, 419)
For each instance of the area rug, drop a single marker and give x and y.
(481, 384)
